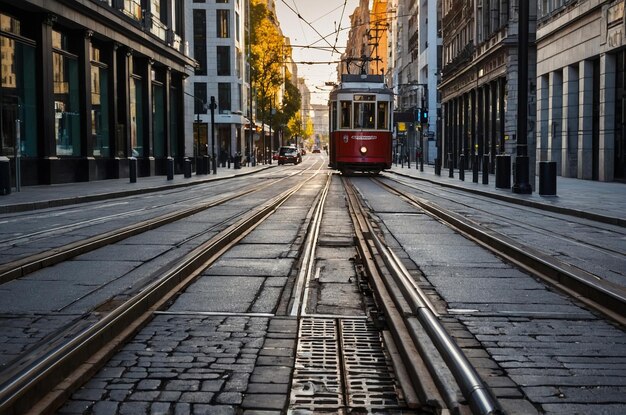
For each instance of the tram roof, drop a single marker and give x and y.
(351, 83)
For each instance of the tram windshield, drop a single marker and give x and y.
(360, 114)
(364, 114)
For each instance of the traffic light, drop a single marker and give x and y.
(424, 116)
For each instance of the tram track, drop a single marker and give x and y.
(597, 226)
(435, 371)
(49, 379)
(25, 265)
(597, 293)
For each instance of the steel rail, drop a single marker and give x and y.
(304, 275)
(473, 388)
(81, 356)
(611, 220)
(23, 266)
(598, 294)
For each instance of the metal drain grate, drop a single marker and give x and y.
(369, 380)
(341, 367)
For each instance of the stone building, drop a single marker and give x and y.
(479, 81)
(88, 84)
(581, 88)
(366, 48)
(218, 40)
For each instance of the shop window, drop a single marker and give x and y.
(18, 98)
(66, 98)
(100, 134)
(158, 120)
(174, 125)
(136, 116)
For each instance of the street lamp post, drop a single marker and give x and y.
(272, 111)
(522, 162)
(212, 107)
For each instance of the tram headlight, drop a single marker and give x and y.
(363, 150)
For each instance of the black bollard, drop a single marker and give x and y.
(187, 168)
(132, 169)
(170, 168)
(475, 168)
(462, 167)
(486, 169)
(451, 166)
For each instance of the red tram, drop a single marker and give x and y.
(360, 124)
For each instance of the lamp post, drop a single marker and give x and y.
(272, 112)
(522, 184)
(212, 107)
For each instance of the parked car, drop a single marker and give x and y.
(289, 155)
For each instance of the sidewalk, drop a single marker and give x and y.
(602, 201)
(45, 196)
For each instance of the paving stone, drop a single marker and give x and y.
(182, 408)
(89, 394)
(169, 396)
(271, 374)
(264, 401)
(133, 408)
(145, 396)
(149, 384)
(105, 408)
(233, 398)
(182, 385)
(269, 388)
(213, 410)
(275, 361)
(197, 397)
(212, 385)
(160, 408)
(75, 407)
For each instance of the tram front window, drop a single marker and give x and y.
(383, 124)
(364, 113)
(345, 114)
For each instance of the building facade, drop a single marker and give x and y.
(88, 84)
(218, 42)
(416, 58)
(581, 88)
(479, 82)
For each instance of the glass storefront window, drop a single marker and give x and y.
(100, 134)
(136, 117)
(173, 123)
(158, 120)
(100, 112)
(18, 101)
(66, 99)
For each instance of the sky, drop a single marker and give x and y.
(325, 17)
